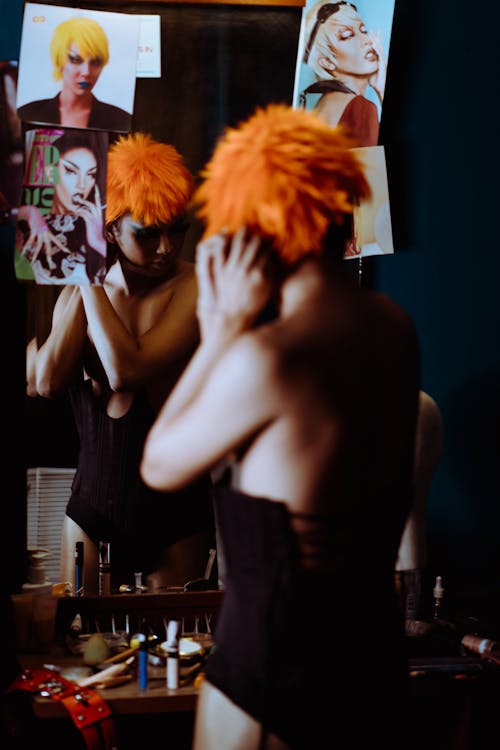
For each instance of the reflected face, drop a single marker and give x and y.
(79, 73)
(150, 249)
(76, 176)
(350, 41)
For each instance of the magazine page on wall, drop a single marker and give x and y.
(340, 74)
(77, 68)
(60, 220)
(342, 64)
(372, 219)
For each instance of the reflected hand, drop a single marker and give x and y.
(91, 213)
(377, 80)
(40, 237)
(232, 286)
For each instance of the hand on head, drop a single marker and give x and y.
(232, 285)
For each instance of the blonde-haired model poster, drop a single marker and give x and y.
(77, 68)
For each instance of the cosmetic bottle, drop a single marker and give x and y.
(104, 568)
(438, 593)
(139, 588)
(172, 647)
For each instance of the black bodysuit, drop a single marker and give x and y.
(109, 500)
(310, 637)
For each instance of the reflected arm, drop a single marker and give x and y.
(132, 360)
(31, 352)
(60, 356)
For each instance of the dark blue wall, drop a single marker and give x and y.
(11, 12)
(442, 141)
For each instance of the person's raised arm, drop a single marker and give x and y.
(232, 291)
(57, 360)
(216, 404)
(131, 360)
(232, 403)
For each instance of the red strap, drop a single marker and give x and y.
(100, 735)
(88, 710)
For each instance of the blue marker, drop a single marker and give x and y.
(143, 662)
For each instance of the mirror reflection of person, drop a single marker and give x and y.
(79, 51)
(67, 245)
(346, 59)
(118, 349)
(316, 410)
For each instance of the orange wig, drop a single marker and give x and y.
(284, 174)
(146, 179)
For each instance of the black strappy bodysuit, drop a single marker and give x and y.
(310, 637)
(109, 500)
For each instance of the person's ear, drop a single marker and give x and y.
(327, 64)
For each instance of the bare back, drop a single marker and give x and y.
(345, 383)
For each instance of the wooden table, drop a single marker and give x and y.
(128, 698)
(140, 715)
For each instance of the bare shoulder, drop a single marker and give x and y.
(251, 364)
(253, 353)
(332, 104)
(186, 271)
(184, 280)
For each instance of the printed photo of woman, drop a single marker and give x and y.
(80, 52)
(66, 244)
(349, 65)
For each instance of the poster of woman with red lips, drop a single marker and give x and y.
(340, 74)
(60, 218)
(342, 64)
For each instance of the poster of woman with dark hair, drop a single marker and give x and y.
(60, 221)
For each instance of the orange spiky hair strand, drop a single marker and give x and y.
(147, 179)
(284, 174)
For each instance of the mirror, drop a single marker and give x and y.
(217, 63)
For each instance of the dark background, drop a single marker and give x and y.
(441, 141)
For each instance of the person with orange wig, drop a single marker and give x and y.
(313, 414)
(118, 349)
